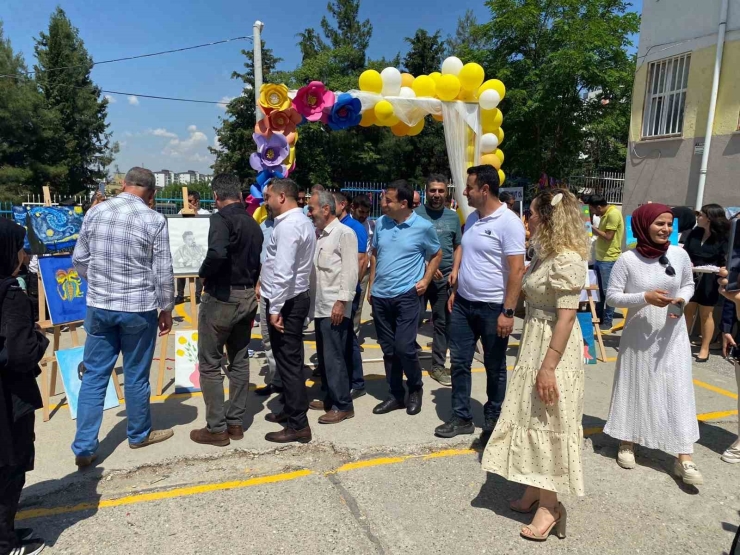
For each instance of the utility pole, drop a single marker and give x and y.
(257, 44)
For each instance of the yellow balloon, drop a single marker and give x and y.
(448, 87)
(492, 160)
(416, 129)
(435, 76)
(500, 134)
(501, 177)
(471, 76)
(393, 120)
(370, 81)
(424, 86)
(500, 154)
(438, 117)
(494, 84)
(466, 96)
(383, 111)
(260, 215)
(470, 152)
(400, 129)
(368, 118)
(491, 120)
(407, 80)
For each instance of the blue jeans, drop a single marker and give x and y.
(604, 312)
(109, 333)
(356, 372)
(469, 322)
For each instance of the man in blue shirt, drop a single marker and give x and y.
(344, 217)
(401, 244)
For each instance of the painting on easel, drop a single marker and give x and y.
(73, 370)
(187, 373)
(188, 243)
(49, 228)
(66, 291)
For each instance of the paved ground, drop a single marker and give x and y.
(374, 484)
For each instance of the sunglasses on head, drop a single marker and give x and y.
(669, 270)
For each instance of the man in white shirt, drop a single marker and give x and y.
(333, 285)
(361, 207)
(486, 281)
(284, 284)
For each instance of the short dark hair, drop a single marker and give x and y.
(187, 233)
(361, 201)
(194, 194)
(403, 190)
(141, 177)
(597, 200)
(505, 196)
(339, 196)
(227, 186)
(486, 174)
(436, 178)
(286, 186)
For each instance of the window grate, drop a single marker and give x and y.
(665, 100)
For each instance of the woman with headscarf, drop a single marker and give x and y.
(21, 348)
(653, 397)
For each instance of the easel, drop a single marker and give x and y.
(164, 341)
(596, 322)
(49, 377)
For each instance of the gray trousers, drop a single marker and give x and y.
(225, 324)
(272, 377)
(358, 315)
(437, 295)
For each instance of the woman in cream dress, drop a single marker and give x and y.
(537, 441)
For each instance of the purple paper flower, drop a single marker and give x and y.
(270, 152)
(345, 113)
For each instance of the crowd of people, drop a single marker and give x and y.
(317, 259)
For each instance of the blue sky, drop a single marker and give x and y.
(174, 135)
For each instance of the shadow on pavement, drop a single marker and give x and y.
(496, 494)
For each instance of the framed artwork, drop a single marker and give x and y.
(188, 243)
(49, 228)
(631, 240)
(587, 329)
(586, 217)
(73, 370)
(66, 291)
(187, 373)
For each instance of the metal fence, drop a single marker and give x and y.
(610, 185)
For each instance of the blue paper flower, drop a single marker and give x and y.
(346, 112)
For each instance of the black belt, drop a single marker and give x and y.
(241, 287)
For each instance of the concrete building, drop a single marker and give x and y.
(164, 178)
(670, 106)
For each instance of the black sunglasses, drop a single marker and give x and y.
(669, 270)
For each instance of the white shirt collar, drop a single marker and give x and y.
(285, 214)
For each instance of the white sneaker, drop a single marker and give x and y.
(626, 456)
(731, 455)
(688, 472)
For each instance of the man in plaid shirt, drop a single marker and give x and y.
(123, 251)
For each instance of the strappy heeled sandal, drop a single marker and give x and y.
(558, 527)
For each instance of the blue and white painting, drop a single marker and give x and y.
(66, 290)
(73, 370)
(49, 228)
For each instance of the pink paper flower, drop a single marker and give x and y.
(312, 100)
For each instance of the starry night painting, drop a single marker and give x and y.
(49, 229)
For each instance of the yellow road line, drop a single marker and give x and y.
(369, 463)
(716, 389)
(715, 415)
(180, 309)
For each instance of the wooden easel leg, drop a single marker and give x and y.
(53, 382)
(117, 385)
(597, 327)
(162, 363)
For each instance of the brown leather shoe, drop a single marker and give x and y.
(335, 416)
(319, 405)
(277, 417)
(235, 432)
(286, 435)
(155, 436)
(83, 461)
(206, 437)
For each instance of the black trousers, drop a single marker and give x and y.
(437, 294)
(289, 355)
(334, 349)
(12, 480)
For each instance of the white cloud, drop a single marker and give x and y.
(225, 101)
(110, 99)
(216, 143)
(161, 132)
(192, 129)
(194, 148)
(133, 100)
(122, 143)
(128, 134)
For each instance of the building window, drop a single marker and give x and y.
(665, 99)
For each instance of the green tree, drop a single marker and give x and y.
(425, 54)
(348, 34)
(466, 41)
(63, 75)
(235, 133)
(550, 54)
(27, 130)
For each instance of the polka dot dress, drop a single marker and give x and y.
(534, 444)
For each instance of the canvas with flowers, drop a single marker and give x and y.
(187, 373)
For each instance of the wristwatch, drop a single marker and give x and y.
(508, 312)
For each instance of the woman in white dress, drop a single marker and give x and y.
(538, 438)
(653, 398)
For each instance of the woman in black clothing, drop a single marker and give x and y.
(21, 348)
(686, 221)
(706, 245)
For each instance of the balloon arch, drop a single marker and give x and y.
(459, 96)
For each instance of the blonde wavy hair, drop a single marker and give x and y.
(560, 227)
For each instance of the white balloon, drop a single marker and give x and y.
(488, 143)
(407, 92)
(489, 99)
(452, 66)
(391, 81)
